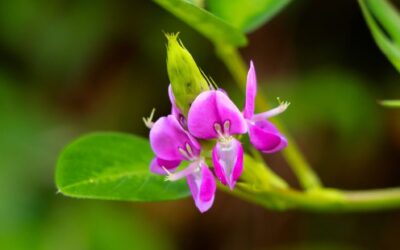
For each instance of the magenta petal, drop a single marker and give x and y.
(219, 172)
(251, 91)
(175, 110)
(167, 136)
(228, 162)
(214, 107)
(202, 185)
(157, 164)
(265, 137)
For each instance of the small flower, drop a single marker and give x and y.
(200, 111)
(172, 145)
(263, 134)
(214, 116)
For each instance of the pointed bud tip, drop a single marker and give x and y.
(186, 79)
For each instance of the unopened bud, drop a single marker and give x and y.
(186, 79)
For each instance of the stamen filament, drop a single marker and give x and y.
(185, 154)
(227, 125)
(271, 113)
(218, 129)
(189, 151)
(193, 167)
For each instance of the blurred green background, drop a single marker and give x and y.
(71, 67)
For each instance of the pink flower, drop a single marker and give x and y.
(214, 116)
(263, 134)
(172, 144)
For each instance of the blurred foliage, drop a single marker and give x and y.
(331, 98)
(63, 37)
(246, 15)
(384, 22)
(204, 22)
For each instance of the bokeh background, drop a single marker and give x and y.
(72, 67)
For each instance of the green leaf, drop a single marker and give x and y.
(113, 166)
(391, 103)
(246, 15)
(212, 27)
(386, 15)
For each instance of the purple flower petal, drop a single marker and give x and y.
(228, 162)
(214, 107)
(168, 139)
(251, 91)
(157, 164)
(202, 185)
(175, 110)
(265, 137)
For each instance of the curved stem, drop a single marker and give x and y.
(234, 62)
(323, 200)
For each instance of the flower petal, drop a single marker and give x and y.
(265, 137)
(167, 137)
(202, 185)
(171, 96)
(157, 164)
(214, 107)
(251, 92)
(228, 162)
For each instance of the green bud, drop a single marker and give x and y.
(186, 79)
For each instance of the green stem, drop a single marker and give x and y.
(390, 103)
(235, 64)
(323, 200)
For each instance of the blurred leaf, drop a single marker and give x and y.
(330, 98)
(391, 103)
(212, 27)
(247, 15)
(100, 226)
(63, 39)
(384, 22)
(25, 151)
(113, 166)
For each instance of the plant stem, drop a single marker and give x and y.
(235, 64)
(324, 200)
(390, 103)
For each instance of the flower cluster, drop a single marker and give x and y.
(215, 118)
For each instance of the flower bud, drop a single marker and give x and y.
(186, 79)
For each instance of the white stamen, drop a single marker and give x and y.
(149, 120)
(189, 151)
(218, 129)
(184, 153)
(192, 168)
(227, 125)
(166, 171)
(271, 113)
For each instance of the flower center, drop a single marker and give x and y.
(223, 132)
